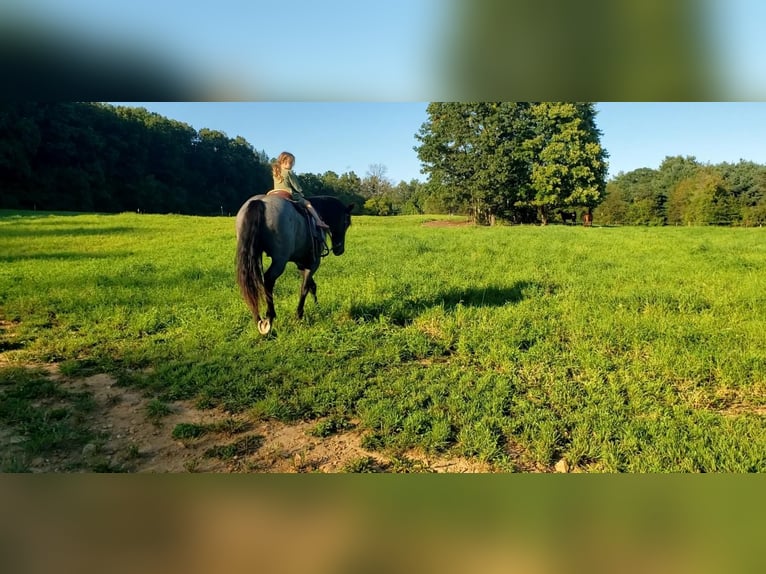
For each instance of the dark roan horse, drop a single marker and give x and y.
(272, 225)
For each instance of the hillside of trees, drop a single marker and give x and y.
(683, 191)
(103, 158)
(492, 161)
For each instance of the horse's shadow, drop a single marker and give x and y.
(403, 310)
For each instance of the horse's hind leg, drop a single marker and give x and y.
(276, 269)
(307, 286)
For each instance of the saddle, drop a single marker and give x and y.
(319, 243)
(282, 193)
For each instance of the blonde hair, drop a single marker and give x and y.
(276, 167)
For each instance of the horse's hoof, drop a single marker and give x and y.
(264, 326)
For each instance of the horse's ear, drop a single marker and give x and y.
(350, 208)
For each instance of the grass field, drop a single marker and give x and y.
(615, 349)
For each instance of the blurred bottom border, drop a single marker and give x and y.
(351, 523)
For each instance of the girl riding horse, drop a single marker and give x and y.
(285, 180)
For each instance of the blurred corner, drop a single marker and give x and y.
(43, 63)
(607, 50)
(349, 523)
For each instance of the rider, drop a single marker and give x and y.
(285, 179)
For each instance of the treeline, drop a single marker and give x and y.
(95, 157)
(103, 158)
(520, 162)
(683, 191)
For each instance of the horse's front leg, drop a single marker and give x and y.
(276, 269)
(307, 286)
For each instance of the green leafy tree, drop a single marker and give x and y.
(702, 199)
(613, 210)
(474, 155)
(672, 170)
(746, 180)
(19, 143)
(754, 215)
(346, 187)
(641, 197)
(568, 163)
(379, 205)
(504, 159)
(445, 150)
(407, 197)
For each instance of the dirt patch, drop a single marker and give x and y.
(736, 410)
(134, 439)
(447, 223)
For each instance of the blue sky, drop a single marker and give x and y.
(336, 136)
(643, 134)
(351, 136)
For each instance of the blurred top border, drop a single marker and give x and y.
(597, 50)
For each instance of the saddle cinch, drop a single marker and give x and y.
(319, 244)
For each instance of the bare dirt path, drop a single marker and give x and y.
(132, 440)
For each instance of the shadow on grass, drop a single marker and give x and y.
(25, 214)
(63, 255)
(403, 310)
(64, 231)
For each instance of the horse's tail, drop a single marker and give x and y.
(249, 260)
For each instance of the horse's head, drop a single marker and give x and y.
(337, 216)
(338, 230)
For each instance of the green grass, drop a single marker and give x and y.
(228, 427)
(330, 426)
(45, 420)
(618, 349)
(241, 447)
(156, 410)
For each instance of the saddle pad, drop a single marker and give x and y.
(281, 193)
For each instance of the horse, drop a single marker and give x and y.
(273, 225)
(569, 216)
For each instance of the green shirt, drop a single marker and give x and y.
(290, 183)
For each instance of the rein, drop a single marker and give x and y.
(317, 244)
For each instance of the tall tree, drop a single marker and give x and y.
(474, 153)
(375, 183)
(568, 166)
(505, 158)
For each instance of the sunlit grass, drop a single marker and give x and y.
(617, 349)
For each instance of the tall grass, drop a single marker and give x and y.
(617, 349)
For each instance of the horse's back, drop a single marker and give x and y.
(283, 223)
